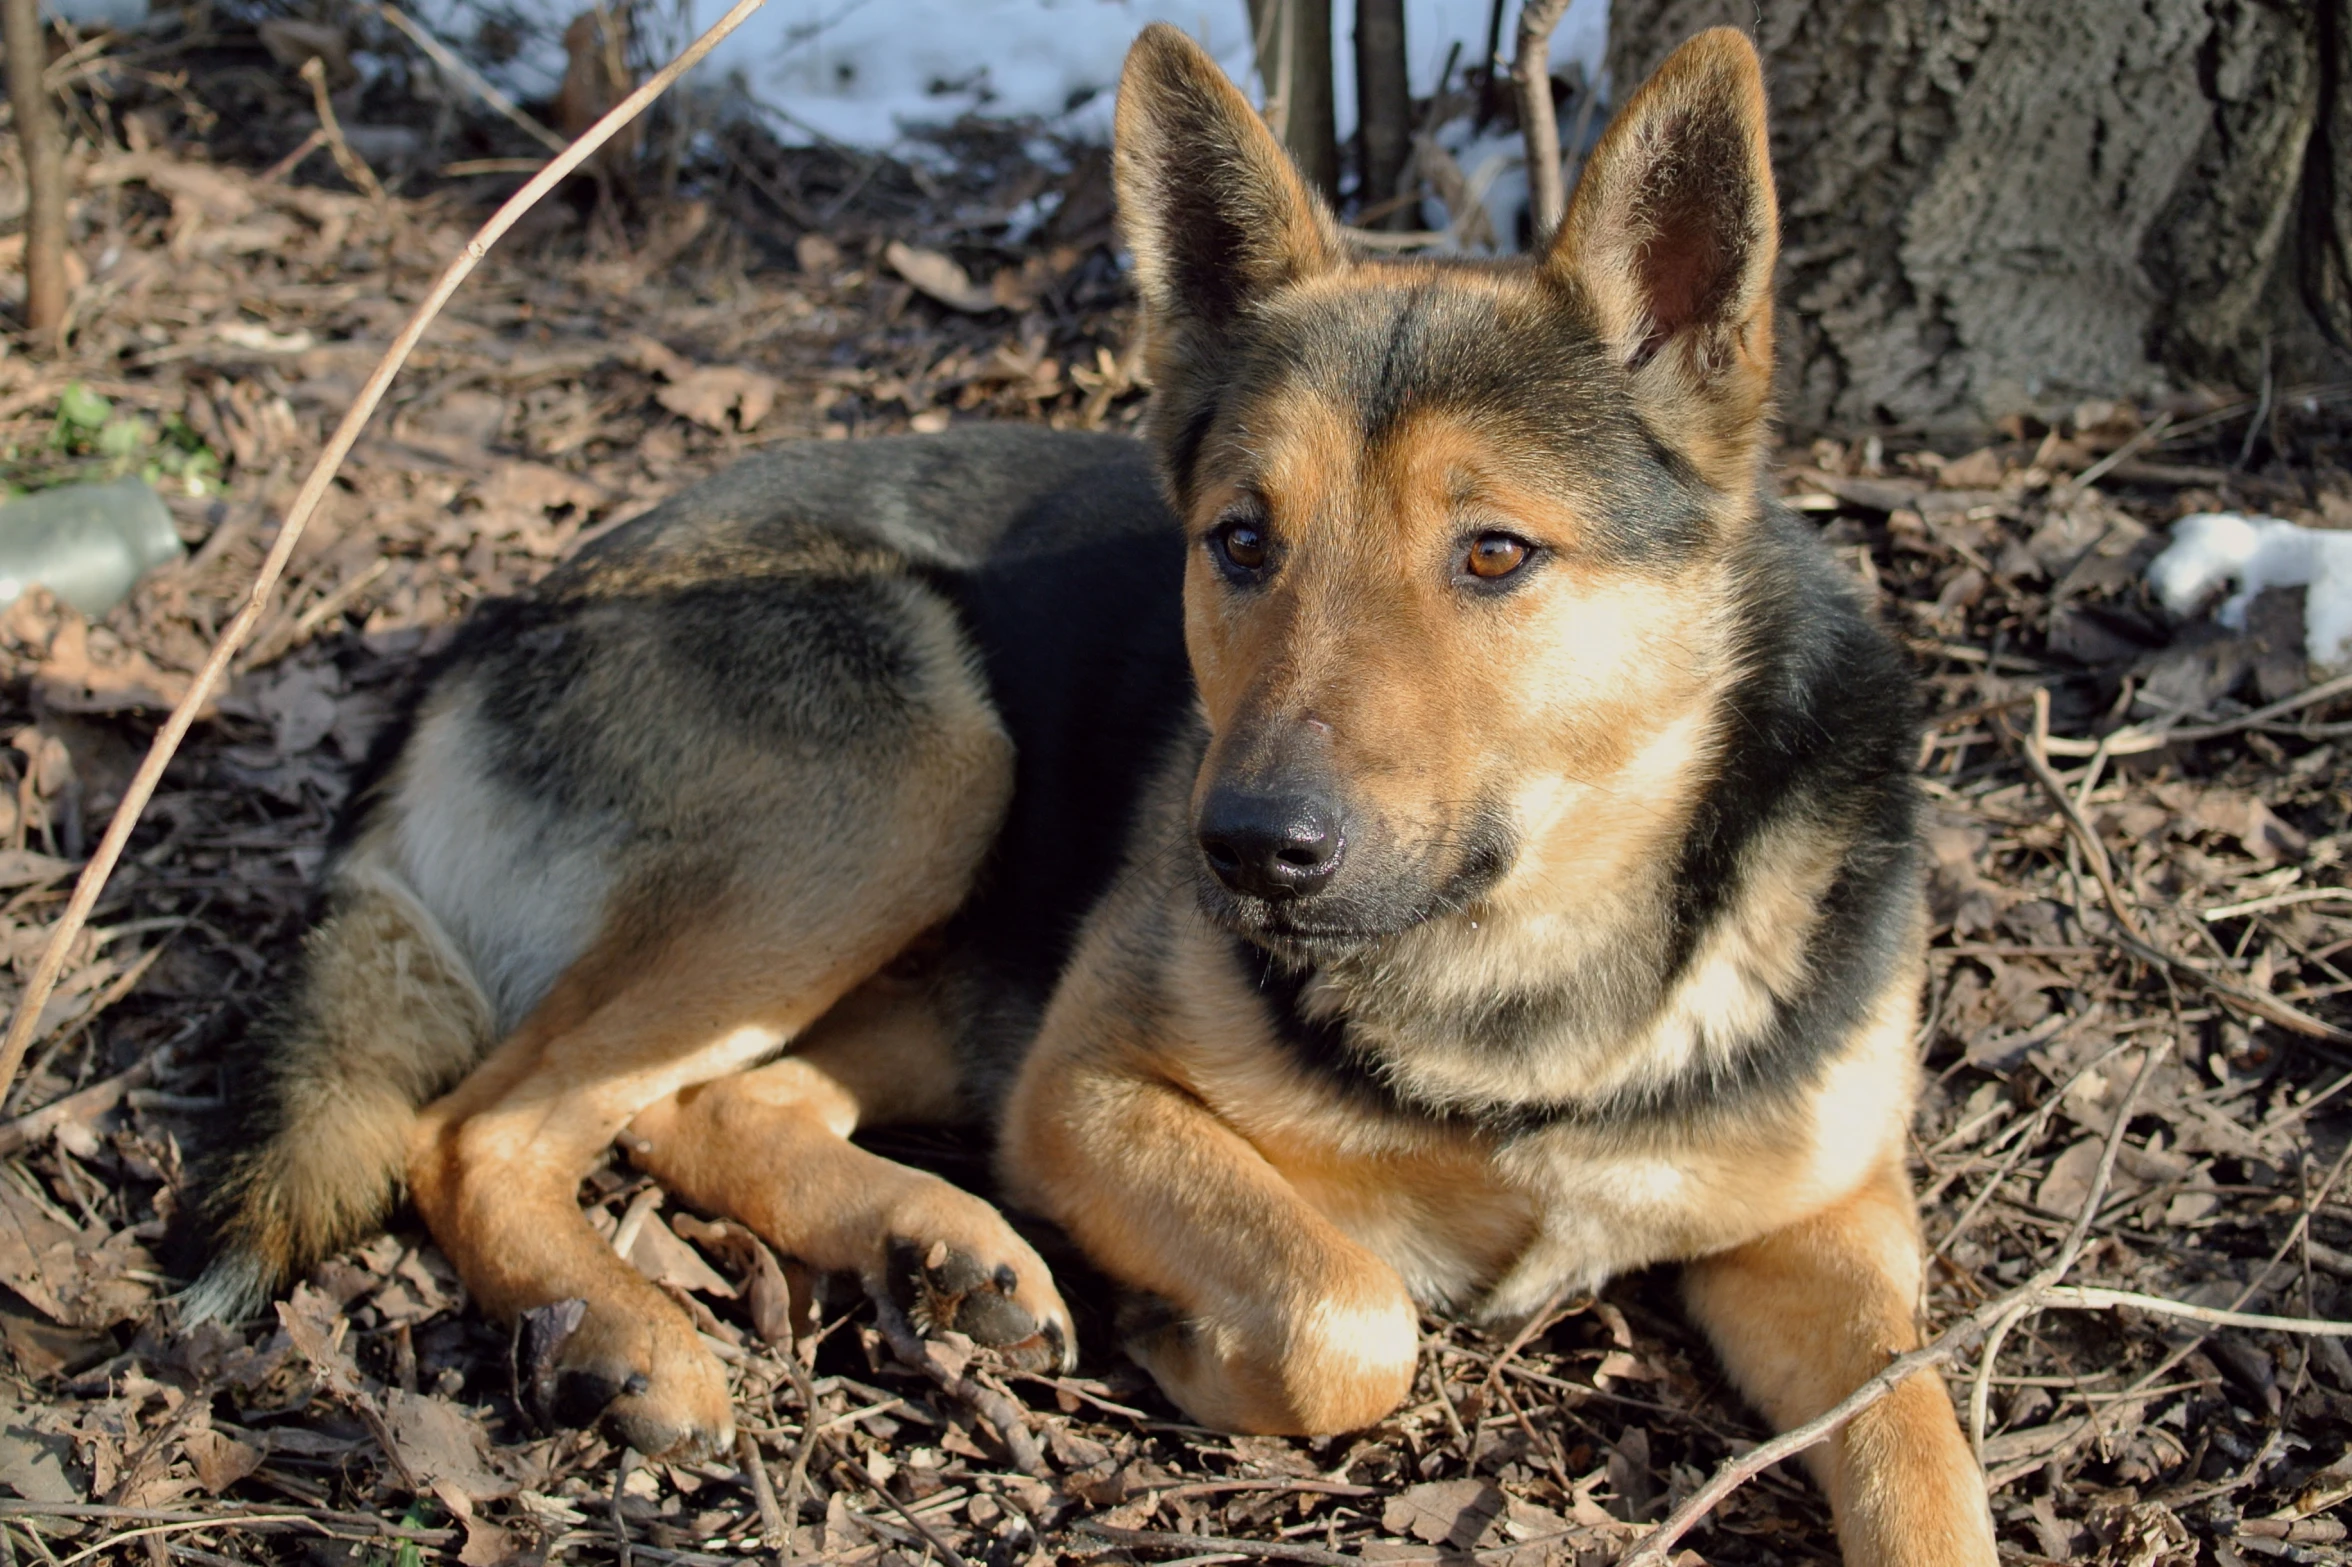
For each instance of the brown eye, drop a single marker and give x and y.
(1496, 555)
(1243, 546)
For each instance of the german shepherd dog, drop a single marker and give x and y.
(1424, 829)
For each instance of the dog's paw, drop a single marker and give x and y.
(967, 1272)
(646, 1380)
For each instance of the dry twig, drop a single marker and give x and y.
(469, 78)
(1531, 74)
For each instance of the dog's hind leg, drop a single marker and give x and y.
(1807, 1314)
(770, 1147)
(495, 1166)
(730, 938)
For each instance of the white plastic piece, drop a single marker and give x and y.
(2214, 549)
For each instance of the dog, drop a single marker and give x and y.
(1422, 829)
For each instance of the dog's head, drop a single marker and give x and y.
(1462, 534)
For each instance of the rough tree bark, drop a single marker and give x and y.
(40, 144)
(1384, 108)
(1993, 206)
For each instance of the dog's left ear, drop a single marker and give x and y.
(1671, 238)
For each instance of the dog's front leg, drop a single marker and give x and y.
(1256, 1313)
(1807, 1314)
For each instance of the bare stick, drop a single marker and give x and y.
(763, 1489)
(2076, 1239)
(44, 158)
(306, 504)
(932, 1537)
(2089, 1297)
(354, 167)
(796, 1479)
(469, 78)
(1531, 73)
(148, 1531)
(1255, 1550)
(2138, 738)
(37, 1126)
(623, 1546)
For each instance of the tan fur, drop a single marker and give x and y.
(1285, 1226)
(1809, 1312)
(710, 943)
(770, 1147)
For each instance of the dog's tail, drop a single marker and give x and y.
(384, 1016)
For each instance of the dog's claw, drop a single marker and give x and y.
(943, 1288)
(565, 1377)
(536, 1357)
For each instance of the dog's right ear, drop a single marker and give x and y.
(1214, 211)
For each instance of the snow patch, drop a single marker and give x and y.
(2213, 549)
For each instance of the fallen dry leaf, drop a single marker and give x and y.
(1444, 1512)
(665, 1259)
(220, 1461)
(441, 1444)
(709, 394)
(941, 278)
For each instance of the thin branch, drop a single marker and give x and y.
(1531, 73)
(2070, 1252)
(2089, 1297)
(306, 504)
(796, 1478)
(997, 1409)
(42, 145)
(469, 78)
(2138, 738)
(354, 167)
(931, 1537)
(773, 1534)
(222, 1513)
(148, 1531)
(1196, 1544)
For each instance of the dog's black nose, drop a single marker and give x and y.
(1270, 846)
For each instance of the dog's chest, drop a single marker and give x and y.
(1497, 1226)
(1495, 1231)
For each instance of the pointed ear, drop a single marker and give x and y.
(1673, 231)
(1213, 209)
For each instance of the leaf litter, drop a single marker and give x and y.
(641, 333)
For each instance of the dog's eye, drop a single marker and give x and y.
(1241, 546)
(1494, 556)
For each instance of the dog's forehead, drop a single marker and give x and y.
(1453, 371)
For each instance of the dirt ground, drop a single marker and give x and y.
(2177, 962)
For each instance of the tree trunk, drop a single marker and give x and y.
(1384, 109)
(37, 141)
(1294, 64)
(1996, 206)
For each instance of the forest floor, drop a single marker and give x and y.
(624, 344)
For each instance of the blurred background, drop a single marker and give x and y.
(2056, 278)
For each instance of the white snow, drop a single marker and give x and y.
(856, 71)
(2214, 549)
(861, 71)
